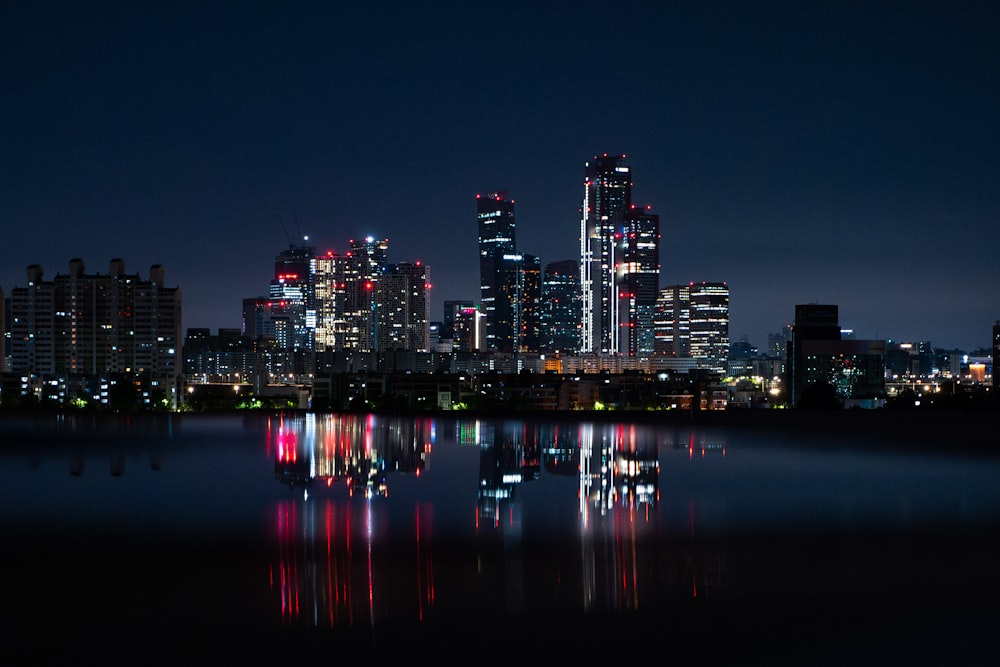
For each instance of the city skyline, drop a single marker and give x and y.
(836, 153)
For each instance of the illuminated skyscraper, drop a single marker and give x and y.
(498, 273)
(403, 297)
(709, 321)
(529, 303)
(330, 287)
(293, 300)
(607, 198)
(560, 318)
(693, 320)
(638, 275)
(363, 267)
(671, 325)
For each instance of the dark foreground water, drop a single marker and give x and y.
(293, 537)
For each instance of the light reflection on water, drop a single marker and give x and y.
(361, 519)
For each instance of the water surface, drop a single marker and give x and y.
(374, 531)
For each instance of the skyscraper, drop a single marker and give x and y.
(709, 322)
(607, 196)
(638, 274)
(292, 298)
(529, 303)
(560, 312)
(330, 290)
(404, 307)
(498, 272)
(693, 320)
(672, 325)
(363, 267)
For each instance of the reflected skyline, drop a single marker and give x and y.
(251, 523)
(329, 571)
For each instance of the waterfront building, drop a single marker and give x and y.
(99, 325)
(607, 198)
(226, 357)
(560, 307)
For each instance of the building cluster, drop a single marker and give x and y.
(112, 339)
(327, 321)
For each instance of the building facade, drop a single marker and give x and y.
(693, 321)
(403, 307)
(330, 290)
(498, 270)
(293, 298)
(607, 197)
(560, 308)
(638, 278)
(98, 325)
(364, 264)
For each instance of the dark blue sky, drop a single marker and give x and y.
(833, 152)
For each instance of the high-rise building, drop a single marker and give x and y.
(693, 320)
(529, 303)
(363, 267)
(498, 269)
(561, 313)
(638, 276)
(98, 325)
(607, 197)
(293, 300)
(403, 306)
(330, 290)
(709, 323)
(672, 321)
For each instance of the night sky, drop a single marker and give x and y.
(830, 152)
